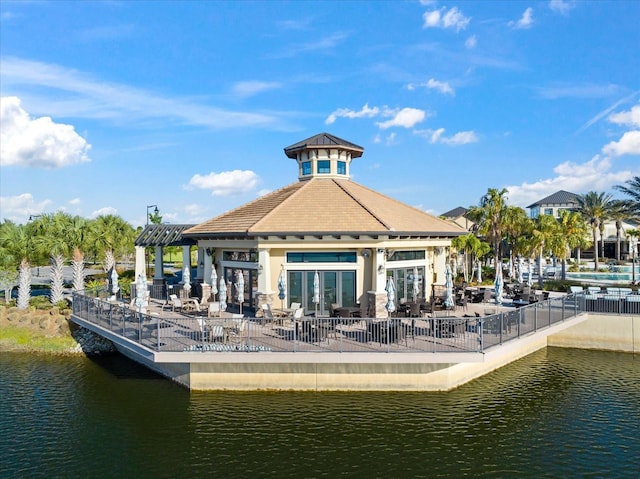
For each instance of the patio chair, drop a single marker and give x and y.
(294, 306)
(267, 313)
(486, 297)
(175, 303)
(213, 309)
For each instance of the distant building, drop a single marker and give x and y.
(554, 204)
(458, 216)
(567, 201)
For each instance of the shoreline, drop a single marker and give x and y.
(47, 331)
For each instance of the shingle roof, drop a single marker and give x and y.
(456, 212)
(163, 235)
(325, 206)
(558, 198)
(325, 140)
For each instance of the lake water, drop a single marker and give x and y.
(556, 413)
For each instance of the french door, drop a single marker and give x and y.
(337, 287)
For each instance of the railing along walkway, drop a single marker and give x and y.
(174, 332)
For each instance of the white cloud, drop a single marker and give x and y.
(471, 42)
(627, 118)
(19, 208)
(406, 118)
(77, 94)
(525, 21)
(437, 136)
(365, 112)
(246, 89)
(328, 43)
(595, 175)
(561, 6)
(264, 191)
(107, 210)
(37, 142)
(629, 144)
(433, 84)
(453, 18)
(226, 183)
(75, 201)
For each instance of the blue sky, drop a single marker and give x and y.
(108, 107)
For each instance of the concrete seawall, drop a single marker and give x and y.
(601, 331)
(377, 371)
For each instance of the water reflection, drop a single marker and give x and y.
(554, 413)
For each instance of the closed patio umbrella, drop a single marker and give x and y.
(316, 291)
(186, 279)
(240, 288)
(391, 295)
(141, 291)
(416, 284)
(497, 285)
(214, 283)
(282, 286)
(222, 294)
(520, 270)
(448, 285)
(114, 282)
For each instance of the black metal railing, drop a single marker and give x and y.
(181, 332)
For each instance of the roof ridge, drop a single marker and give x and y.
(286, 200)
(368, 210)
(398, 202)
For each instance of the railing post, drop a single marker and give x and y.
(158, 334)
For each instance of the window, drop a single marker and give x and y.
(325, 257)
(548, 211)
(248, 256)
(342, 168)
(324, 167)
(306, 167)
(406, 255)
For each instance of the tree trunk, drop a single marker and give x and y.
(57, 264)
(595, 249)
(24, 284)
(540, 275)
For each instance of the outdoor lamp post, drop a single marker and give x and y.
(155, 211)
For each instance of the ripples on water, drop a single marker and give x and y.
(555, 413)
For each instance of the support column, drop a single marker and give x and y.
(200, 264)
(208, 267)
(380, 271)
(265, 291)
(140, 266)
(158, 273)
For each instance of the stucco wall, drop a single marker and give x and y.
(601, 331)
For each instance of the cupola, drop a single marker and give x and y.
(323, 156)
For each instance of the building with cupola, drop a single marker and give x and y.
(353, 237)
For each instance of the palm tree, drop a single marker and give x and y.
(593, 207)
(489, 219)
(16, 240)
(52, 239)
(111, 235)
(77, 233)
(544, 239)
(516, 222)
(620, 211)
(633, 190)
(572, 230)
